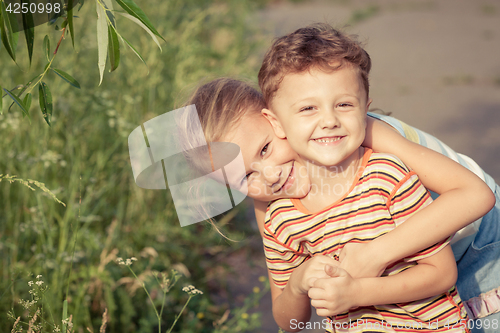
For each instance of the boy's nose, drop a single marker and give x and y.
(329, 120)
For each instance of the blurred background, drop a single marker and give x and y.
(435, 66)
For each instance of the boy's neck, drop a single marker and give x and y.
(329, 184)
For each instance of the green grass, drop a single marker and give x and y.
(83, 159)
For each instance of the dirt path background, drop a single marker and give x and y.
(436, 66)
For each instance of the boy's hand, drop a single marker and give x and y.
(334, 294)
(304, 276)
(361, 260)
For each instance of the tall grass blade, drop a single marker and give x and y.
(64, 315)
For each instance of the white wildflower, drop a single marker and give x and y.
(191, 290)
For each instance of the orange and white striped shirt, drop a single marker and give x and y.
(384, 196)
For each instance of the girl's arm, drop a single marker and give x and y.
(464, 198)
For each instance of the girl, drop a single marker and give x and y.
(229, 110)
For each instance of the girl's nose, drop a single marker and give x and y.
(272, 174)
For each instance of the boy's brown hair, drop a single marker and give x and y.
(317, 45)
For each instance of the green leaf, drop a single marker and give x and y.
(109, 11)
(134, 10)
(135, 20)
(15, 28)
(69, 17)
(23, 88)
(29, 30)
(1, 100)
(46, 47)
(6, 32)
(135, 51)
(45, 99)
(102, 39)
(113, 48)
(66, 77)
(18, 102)
(27, 101)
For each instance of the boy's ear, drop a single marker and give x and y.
(368, 104)
(278, 130)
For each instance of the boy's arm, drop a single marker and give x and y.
(291, 305)
(430, 277)
(282, 299)
(464, 198)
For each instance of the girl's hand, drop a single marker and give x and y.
(334, 294)
(362, 260)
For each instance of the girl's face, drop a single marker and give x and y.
(273, 169)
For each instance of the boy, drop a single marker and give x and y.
(315, 83)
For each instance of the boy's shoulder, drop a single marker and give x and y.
(384, 171)
(386, 162)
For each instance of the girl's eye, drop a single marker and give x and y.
(246, 177)
(264, 150)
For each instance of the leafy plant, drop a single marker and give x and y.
(85, 151)
(108, 44)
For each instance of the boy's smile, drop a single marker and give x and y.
(322, 114)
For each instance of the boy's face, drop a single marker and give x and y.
(322, 114)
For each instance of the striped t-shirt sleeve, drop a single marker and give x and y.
(281, 259)
(408, 197)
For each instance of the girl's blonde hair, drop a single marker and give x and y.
(221, 105)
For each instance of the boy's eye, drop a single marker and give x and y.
(264, 150)
(344, 105)
(307, 108)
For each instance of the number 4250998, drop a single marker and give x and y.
(33, 8)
